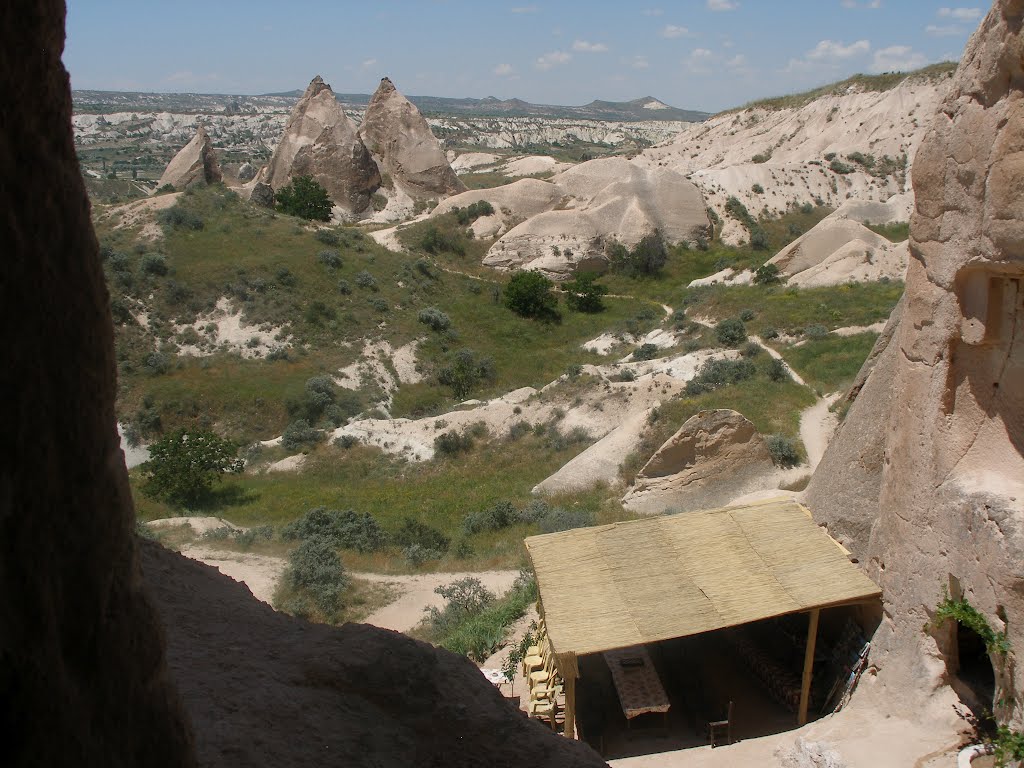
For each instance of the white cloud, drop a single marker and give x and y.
(738, 64)
(588, 47)
(368, 64)
(855, 4)
(553, 59)
(503, 70)
(832, 50)
(671, 31)
(960, 14)
(898, 58)
(640, 62)
(699, 61)
(722, 5)
(944, 30)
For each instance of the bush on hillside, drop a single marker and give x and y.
(731, 332)
(767, 274)
(529, 294)
(317, 579)
(717, 373)
(412, 532)
(177, 217)
(464, 370)
(184, 465)
(304, 197)
(472, 212)
(299, 434)
(783, 451)
(345, 530)
(584, 294)
(435, 319)
(648, 257)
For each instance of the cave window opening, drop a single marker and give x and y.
(975, 675)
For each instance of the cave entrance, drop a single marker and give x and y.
(975, 678)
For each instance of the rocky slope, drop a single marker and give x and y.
(321, 141)
(941, 504)
(817, 150)
(197, 162)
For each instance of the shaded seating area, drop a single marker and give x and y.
(698, 628)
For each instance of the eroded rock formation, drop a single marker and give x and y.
(195, 163)
(404, 146)
(950, 507)
(82, 669)
(714, 457)
(321, 141)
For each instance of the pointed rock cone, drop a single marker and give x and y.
(399, 137)
(196, 163)
(321, 141)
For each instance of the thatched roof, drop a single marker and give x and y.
(643, 581)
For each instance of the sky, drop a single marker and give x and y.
(694, 54)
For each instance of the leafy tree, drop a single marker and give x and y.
(583, 293)
(528, 294)
(646, 258)
(303, 196)
(767, 274)
(183, 465)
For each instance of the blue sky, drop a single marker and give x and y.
(697, 54)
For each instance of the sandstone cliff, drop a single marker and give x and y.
(401, 141)
(321, 141)
(196, 163)
(949, 511)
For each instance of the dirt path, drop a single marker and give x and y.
(817, 425)
(260, 573)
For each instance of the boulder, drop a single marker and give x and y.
(320, 140)
(262, 194)
(949, 510)
(195, 163)
(246, 172)
(714, 457)
(402, 142)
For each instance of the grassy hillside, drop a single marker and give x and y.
(313, 296)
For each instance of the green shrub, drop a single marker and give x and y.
(777, 370)
(153, 264)
(472, 212)
(717, 373)
(416, 554)
(365, 280)
(453, 443)
(498, 516)
(183, 465)
(327, 237)
(316, 576)
(838, 166)
(762, 157)
(413, 532)
(783, 451)
(645, 352)
(345, 530)
(746, 315)
(584, 294)
(767, 274)
(968, 616)
(435, 319)
(464, 370)
(751, 349)
(816, 332)
(299, 434)
(435, 241)
(330, 259)
(529, 294)
(177, 217)
(648, 257)
(757, 189)
(731, 332)
(306, 198)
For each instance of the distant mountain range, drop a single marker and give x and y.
(646, 108)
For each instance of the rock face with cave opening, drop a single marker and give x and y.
(321, 141)
(943, 502)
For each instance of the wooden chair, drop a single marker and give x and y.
(544, 704)
(720, 731)
(546, 675)
(535, 656)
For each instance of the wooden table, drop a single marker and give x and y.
(636, 681)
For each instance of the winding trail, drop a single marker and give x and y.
(817, 425)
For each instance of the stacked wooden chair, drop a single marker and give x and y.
(546, 687)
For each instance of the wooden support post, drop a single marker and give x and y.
(570, 706)
(805, 686)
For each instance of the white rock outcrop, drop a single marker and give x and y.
(714, 457)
